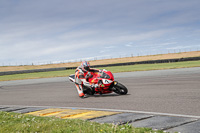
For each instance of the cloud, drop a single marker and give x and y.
(167, 43)
(128, 45)
(35, 30)
(109, 47)
(183, 47)
(103, 51)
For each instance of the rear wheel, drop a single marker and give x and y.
(120, 89)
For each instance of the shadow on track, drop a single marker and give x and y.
(105, 95)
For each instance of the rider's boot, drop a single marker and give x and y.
(81, 95)
(80, 91)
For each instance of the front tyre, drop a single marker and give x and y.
(120, 89)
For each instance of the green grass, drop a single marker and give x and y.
(15, 122)
(160, 66)
(37, 75)
(130, 68)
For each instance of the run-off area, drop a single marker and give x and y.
(160, 122)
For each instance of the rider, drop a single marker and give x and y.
(82, 73)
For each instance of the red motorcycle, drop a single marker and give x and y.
(106, 83)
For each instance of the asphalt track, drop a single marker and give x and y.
(175, 91)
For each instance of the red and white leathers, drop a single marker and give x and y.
(81, 77)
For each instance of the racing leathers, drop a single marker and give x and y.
(81, 77)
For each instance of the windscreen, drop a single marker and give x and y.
(104, 75)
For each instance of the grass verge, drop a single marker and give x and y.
(14, 122)
(130, 68)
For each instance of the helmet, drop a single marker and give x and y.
(85, 66)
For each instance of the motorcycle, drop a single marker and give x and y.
(106, 84)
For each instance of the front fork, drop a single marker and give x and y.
(112, 86)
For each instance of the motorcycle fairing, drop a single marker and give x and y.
(106, 81)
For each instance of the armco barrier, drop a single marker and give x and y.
(107, 65)
(32, 71)
(150, 62)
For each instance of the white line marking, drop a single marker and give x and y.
(114, 110)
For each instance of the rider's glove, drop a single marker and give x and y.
(102, 70)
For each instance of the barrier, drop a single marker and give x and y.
(107, 65)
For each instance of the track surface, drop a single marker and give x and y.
(175, 91)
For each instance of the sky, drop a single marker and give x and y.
(50, 31)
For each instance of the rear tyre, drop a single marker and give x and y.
(120, 89)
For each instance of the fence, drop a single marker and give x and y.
(101, 57)
(107, 65)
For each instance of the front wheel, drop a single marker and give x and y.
(120, 89)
